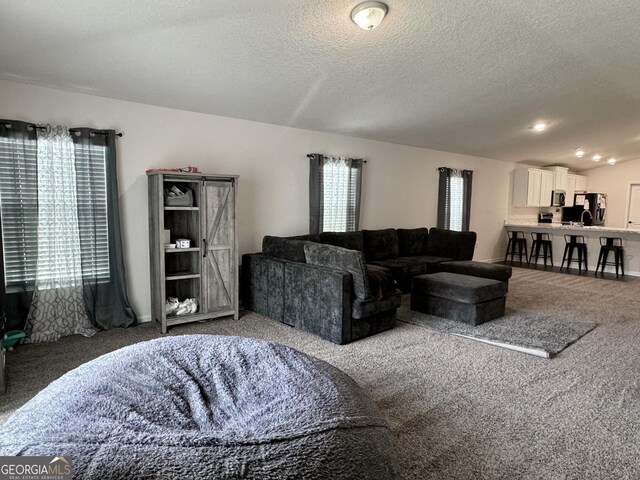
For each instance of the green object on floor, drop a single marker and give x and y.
(12, 337)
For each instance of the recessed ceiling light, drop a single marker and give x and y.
(611, 161)
(539, 127)
(597, 157)
(369, 15)
(579, 152)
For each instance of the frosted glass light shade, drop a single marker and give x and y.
(369, 15)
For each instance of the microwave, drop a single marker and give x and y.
(558, 198)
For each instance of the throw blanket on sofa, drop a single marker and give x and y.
(204, 406)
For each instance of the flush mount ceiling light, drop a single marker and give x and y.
(580, 152)
(611, 161)
(597, 157)
(369, 15)
(539, 127)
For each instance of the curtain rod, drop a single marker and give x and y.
(72, 130)
(310, 155)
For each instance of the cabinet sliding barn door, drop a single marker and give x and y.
(219, 251)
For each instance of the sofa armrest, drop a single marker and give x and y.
(262, 285)
(318, 300)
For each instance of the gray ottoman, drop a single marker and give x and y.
(464, 298)
(493, 271)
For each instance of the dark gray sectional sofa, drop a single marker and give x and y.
(346, 286)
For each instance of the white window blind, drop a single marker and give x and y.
(339, 185)
(91, 177)
(19, 211)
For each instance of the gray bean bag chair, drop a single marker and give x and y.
(204, 406)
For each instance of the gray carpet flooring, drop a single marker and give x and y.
(460, 409)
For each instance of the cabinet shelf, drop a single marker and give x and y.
(181, 276)
(196, 317)
(180, 250)
(187, 209)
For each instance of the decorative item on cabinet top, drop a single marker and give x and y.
(188, 169)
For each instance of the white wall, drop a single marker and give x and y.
(614, 180)
(400, 184)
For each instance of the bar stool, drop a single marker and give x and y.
(573, 242)
(608, 244)
(541, 240)
(516, 239)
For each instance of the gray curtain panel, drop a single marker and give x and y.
(356, 172)
(317, 179)
(315, 193)
(105, 298)
(467, 176)
(445, 195)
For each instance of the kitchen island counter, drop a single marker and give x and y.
(598, 230)
(592, 234)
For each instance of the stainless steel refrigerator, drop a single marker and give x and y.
(596, 203)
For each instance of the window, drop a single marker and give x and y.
(456, 203)
(91, 178)
(19, 211)
(454, 199)
(335, 184)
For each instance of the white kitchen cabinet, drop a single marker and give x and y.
(546, 188)
(559, 178)
(571, 189)
(581, 183)
(532, 187)
(575, 184)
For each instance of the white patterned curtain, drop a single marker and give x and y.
(57, 308)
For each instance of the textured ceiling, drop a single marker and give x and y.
(461, 76)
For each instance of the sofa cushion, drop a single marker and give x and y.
(350, 240)
(380, 244)
(430, 261)
(412, 241)
(340, 259)
(402, 267)
(451, 244)
(285, 248)
(381, 282)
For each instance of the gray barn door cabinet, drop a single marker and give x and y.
(208, 269)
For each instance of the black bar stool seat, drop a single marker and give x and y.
(575, 242)
(611, 244)
(541, 240)
(519, 241)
